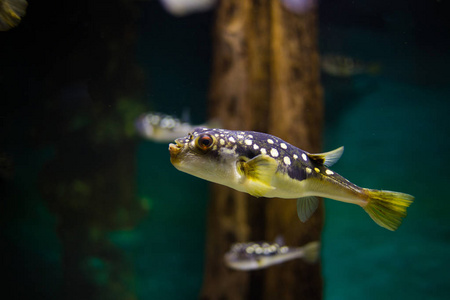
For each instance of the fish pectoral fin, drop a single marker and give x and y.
(328, 158)
(257, 174)
(257, 188)
(306, 206)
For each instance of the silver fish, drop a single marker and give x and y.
(162, 128)
(344, 66)
(263, 165)
(181, 8)
(299, 6)
(255, 256)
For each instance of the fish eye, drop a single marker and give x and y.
(204, 142)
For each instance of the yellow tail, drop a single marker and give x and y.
(387, 208)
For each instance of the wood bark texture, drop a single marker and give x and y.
(265, 78)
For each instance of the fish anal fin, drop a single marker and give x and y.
(257, 174)
(306, 206)
(327, 158)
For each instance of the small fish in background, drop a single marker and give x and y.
(264, 165)
(259, 255)
(163, 128)
(181, 8)
(299, 6)
(344, 66)
(11, 13)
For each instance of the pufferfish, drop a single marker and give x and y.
(259, 255)
(263, 165)
(162, 128)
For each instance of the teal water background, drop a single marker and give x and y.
(393, 125)
(395, 130)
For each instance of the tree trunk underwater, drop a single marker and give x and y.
(265, 78)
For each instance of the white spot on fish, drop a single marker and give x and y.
(263, 151)
(227, 151)
(167, 123)
(274, 152)
(250, 136)
(240, 136)
(308, 170)
(222, 135)
(304, 157)
(242, 132)
(248, 142)
(222, 142)
(255, 146)
(295, 156)
(329, 172)
(216, 135)
(283, 145)
(231, 139)
(154, 119)
(287, 160)
(317, 170)
(270, 141)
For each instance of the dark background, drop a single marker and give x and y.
(63, 69)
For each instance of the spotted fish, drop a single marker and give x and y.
(258, 255)
(162, 128)
(345, 66)
(263, 165)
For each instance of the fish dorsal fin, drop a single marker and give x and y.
(279, 240)
(186, 115)
(328, 158)
(306, 206)
(257, 174)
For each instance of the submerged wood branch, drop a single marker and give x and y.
(265, 78)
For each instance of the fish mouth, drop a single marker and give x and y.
(174, 150)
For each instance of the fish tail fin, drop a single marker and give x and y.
(311, 251)
(387, 208)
